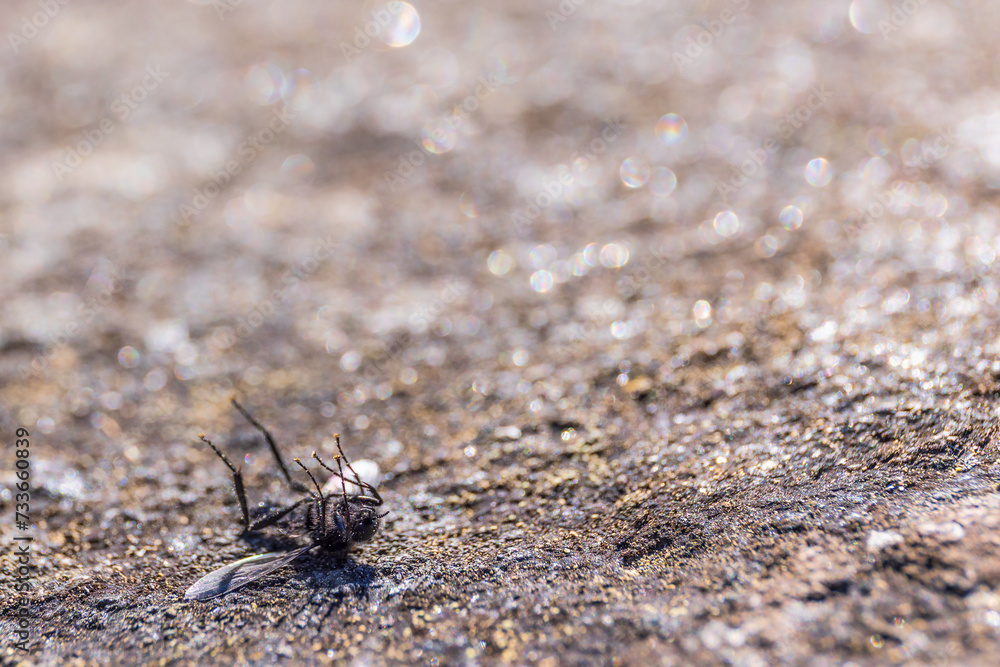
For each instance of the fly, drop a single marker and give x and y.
(333, 519)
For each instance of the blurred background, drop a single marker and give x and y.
(467, 235)
(355, 197)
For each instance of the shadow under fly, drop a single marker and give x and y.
(332, 518)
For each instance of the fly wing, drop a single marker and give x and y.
(236, 575)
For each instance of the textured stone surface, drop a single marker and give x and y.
(639, 427)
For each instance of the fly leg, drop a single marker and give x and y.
(270, 441)
(241, 494)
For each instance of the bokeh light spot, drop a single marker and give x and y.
(663, 182)
(865, 14)
(438, 137)
(702, 312)
(614, 255)
(671, 129)
(500, 262)
(726, 224)
(790, 218)
(468, 206)
(818, 172)
(542, 281)
(634, 172)
(263, 83)
(300, 89)
(299, 167)
(128, 356)
(403, 27)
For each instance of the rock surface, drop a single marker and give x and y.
(717, 387)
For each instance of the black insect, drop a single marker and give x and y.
(333, 519)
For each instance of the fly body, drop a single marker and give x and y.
(332, 519)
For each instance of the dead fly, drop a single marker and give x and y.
(333, 519)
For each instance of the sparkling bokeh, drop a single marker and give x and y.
(634, 172)
(663, 182)
(818, 172)
(671, 129)
(404, 26)
(791, 218)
